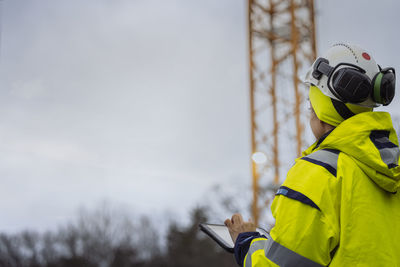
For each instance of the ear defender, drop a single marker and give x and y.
(384, 84)
(349, 83)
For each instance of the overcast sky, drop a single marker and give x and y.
(143, 103)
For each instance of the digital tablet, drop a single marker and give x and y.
(220, 234)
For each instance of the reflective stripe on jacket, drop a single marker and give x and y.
(338, 205)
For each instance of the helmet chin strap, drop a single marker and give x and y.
(342, 109)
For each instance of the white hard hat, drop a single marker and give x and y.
(349, 74)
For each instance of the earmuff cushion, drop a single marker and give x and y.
(376, 96)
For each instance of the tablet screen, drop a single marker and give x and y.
(223, 232)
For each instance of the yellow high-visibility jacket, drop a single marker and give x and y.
(339, 204)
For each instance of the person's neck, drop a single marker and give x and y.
(322, 138)
(326, 133)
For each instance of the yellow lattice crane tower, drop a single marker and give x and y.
(281, 42)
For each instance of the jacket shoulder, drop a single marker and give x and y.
(325, 158)
(314, 176)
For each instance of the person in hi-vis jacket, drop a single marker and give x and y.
(339, 204)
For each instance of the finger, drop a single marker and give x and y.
(249, 227)
(237, 218)
(228, 223)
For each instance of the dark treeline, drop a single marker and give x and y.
(107, 238)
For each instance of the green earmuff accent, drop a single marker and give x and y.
(377, 88)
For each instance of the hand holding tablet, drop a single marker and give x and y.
(237, 225)
(220, 234)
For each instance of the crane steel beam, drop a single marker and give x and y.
(281, 37)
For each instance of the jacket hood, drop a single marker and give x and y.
(369, 138)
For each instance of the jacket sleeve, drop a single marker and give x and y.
(242, 245)
(306, 221)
